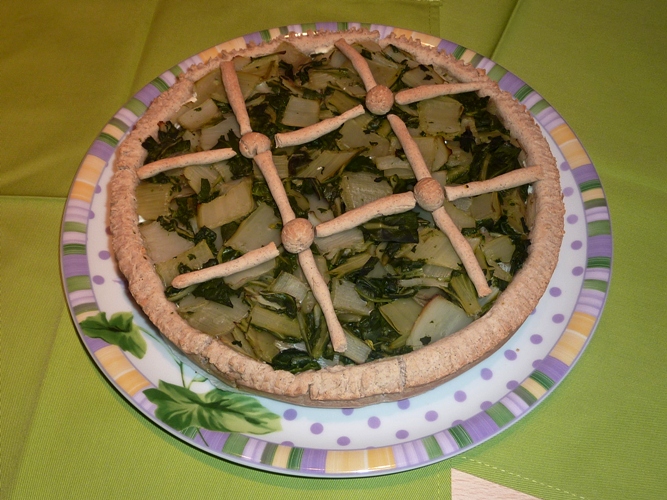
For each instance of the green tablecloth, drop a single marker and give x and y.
(67, 67)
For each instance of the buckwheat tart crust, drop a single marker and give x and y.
(382, 380)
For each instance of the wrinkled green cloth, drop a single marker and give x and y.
(67, 67)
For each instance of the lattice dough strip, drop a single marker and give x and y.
(423, 92)
(317, 130)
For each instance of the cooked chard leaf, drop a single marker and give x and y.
(287, 262)
(311, 94)
(164, 178)
(472, 103)
(459, 174)
(315, 333)
(297, 161)
(375, 123)
(169, 143)
(491, 159)
(281, 302)
(226, 254)
(502, 226)
(216, 290)
(410, 120)
(488, 122)
(184, 268)
(161, 178)
(408, 268)
(381, 290)
(209, 235)
(363, 270)
(186, 209)
(205, 193)
(373, 328)
(228, 230)
(298, 211)
(261, 120)
(399, 185)
(362, 164)
(173, 225)
(224, 107)
(477, 107)
(465, 293)
(401, 228)
(302, 75)
(310, 185)
(261, 192)
(504, 158)
(479, 158)
(520, 253)
(239, 165)
(294, 361)
(176, 294)
(467, 140)
(331, 192)
(326, 142)
(286, 69)
(181, 215)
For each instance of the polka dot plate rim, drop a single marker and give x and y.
(378, 439)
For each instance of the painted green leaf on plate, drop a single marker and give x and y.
(217, 410)
(118, 330)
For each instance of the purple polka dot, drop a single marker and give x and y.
(373, 422)
(343, 441)
(288, 443)
(568, 191)
(578, 271)
(289, 414)
(98, 280)
(402, 434)
(460, 396)
(456, 422)
(536, 339)
(104, 255)
(316, 428)
(537, 363)
(555, 291)
(576, 245)
(91, 214)
(558, 318)
(486, 405)
(572, 219)
(565, 166)
(404, 404)
(98, 189)
(107, 230)
(512, 384)
(510, 354)
(431, 416)
(533, 311)
(348, 411)
(487, 374)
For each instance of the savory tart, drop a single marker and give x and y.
(334, 218)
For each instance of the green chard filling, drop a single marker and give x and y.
(396, 282)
